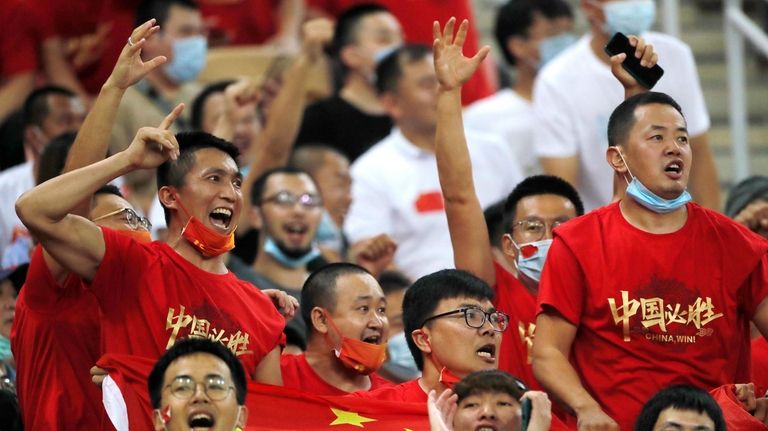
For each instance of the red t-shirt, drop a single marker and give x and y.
(760, 365)
(516, 343)
(53, 380)
(240, 22)
(408, 392)
(416, 18)
(150, 297)
(19, 39)
(298, 374)
(654, 310)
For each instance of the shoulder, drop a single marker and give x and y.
(379, 154)
(665, 41)
(18, 175)
(587, 225)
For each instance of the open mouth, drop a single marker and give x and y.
(201, 421)
(485, 428)
(221, 218)
(487, 353)
(296, 232)
(373, 339)
(674, 169)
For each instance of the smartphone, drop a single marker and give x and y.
(647, 77)
(527, 407)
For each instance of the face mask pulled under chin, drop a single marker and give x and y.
(650, 200)
(273, 249)
(631, 17)
(208, 242)
(357, 355)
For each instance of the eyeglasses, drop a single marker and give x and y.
(215, 387)
(134, 220)
(476, 318)
(287, 199)
(535, 229)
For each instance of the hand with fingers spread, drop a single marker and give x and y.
(648, 58)
(154, 145)
(452, 67)
(130, 68)
(315, 35)
(441, 410)
(374, 254)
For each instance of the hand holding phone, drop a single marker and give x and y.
(645, 76)
(527, 408)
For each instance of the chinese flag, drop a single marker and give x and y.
(278, 408)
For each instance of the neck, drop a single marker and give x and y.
(421, 138)
(163, 85)
(430, 378)
(649, 221)
(323, 360)
(214, 265)
(524, 82)
(358, 92)
(289, 278)
(598, 42)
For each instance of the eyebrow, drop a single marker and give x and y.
(220, 171)
(658, 127)
(478, 306)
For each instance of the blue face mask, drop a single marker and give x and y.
(532, 265)
(272, 249)
(5, 349)
(327, 231)
(631, 17)
(400, 355)
(650, 200)
(550, 47)
(188, 59)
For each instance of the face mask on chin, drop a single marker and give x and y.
(290, 259)
(650, 200)
(207, 241)
(357, 355)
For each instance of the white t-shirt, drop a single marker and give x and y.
(13, 182)
(511, 117)
(396, 190)
(575, 94)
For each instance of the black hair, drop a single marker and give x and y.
(515, 17)
(390, 69)
(158, 9)
(54, 156)
(490, 381)
(392, 281)
(198, 105)
(494, 221)
(320, 289)
(257, 190)
(540, 185)
(109, 189)
(310, 157)
(423, 297)
(754, 188)
(623, 117)
(188, 347)
(36, 107)
(10, 412)
(172, 172)
(347, 25)
(679, 397)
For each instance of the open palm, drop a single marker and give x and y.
(452, 67)
(130, 68)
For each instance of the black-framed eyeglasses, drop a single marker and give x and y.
(287, 199)
(134, 220)
(215, 387)
(535, 229)
(476, 318)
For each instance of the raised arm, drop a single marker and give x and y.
(466, 224)
(648, 58)
(92, 139)
(74, 241)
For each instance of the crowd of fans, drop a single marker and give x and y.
(527, 257)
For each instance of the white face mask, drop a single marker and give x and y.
(631, 17)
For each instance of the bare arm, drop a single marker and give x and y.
(268, 371)
(290, 15)
(76, 242)
(705, 186)
(466, 223)
(13, 92)
(554, 337)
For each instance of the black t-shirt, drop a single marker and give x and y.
(338, 124)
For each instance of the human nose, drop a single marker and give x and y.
(200, 394)
(487, 411)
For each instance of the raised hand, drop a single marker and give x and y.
(285, 304)
(315, 35)
(130, 68)
(648, 58)
(375, 254)
(441, 410)
(154, 145)
(452, 67)
(541, 410)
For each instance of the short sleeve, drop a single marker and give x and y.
(554, 134)
(563, 285)
(756, 287)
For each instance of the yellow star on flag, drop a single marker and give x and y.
(344, 417)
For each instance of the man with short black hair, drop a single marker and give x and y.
(661, 283)
(173, 388)
(345, 310)
(681, 407)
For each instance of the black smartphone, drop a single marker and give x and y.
(527, 407)
(647, 77)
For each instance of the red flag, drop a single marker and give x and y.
(131, 373)
(279, 408)
(736, 418)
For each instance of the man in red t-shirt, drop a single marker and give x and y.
(650, 290)
(345, 311)
(531, 211)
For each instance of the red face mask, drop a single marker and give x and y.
(141, 236)
(208, 242)
(357, 355)
(448, 379)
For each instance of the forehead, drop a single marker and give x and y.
(350, 287)
(375, 24)
(180, 17)
(544, 206)
(449, 304)
(197, 366)
(213, 158)
(292, 182)
(688, 418)
(489, 396)
(60, 102)
(657, 114)
(417, 69)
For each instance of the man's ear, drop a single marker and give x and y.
(516, 46)
(613, 156)
(421, 338)
(319, 320)
(158, 420)
(255, 218)
(508, 247)
(167, 196)
(242, 416)
(350, 56)
(389, 102)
